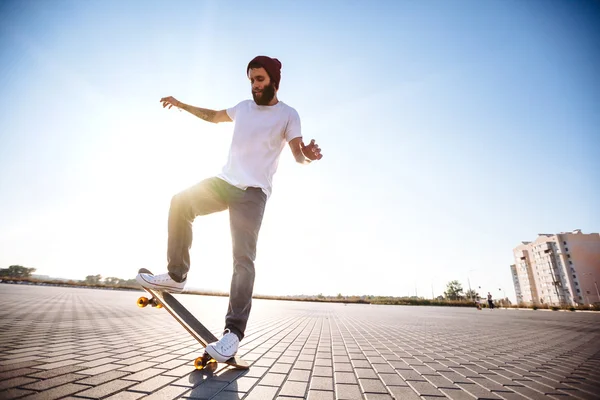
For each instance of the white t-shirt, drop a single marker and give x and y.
(259, 135)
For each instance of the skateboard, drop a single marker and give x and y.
(163, 299)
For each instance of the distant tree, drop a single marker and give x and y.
(339, 296)
(453, 290)
(17, 271)
(505, 302)
(93, 279)
(472, 294)
(112, 281)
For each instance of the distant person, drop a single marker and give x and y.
(490, 301)
(262, 128)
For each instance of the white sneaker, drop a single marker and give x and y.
(160, 282)
(225, 348)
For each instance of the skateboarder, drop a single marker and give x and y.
(262, 128)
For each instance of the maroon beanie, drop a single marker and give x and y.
(271, 65)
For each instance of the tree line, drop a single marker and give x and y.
(21, 272)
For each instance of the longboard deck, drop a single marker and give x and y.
(189, 322)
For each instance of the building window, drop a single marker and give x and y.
(565, 243)
(579, 291)
(568, 256)
(566, 249)
(574, 276)
(570, 263)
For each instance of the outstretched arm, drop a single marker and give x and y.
(203, 113)
(305, 154)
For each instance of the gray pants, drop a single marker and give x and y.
(246, 209)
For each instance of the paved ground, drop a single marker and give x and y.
(83, 343)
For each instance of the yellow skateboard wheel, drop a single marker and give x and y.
(142, 302)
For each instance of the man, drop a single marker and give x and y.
(262, 128)
(490, 301)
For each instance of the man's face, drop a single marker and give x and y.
(262, 89)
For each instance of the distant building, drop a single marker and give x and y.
(558, 269)
(517, 285)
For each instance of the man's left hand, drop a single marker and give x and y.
(312, 151)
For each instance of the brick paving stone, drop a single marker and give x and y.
(321, 383)
(177, 372)
(18, 372)
(345, 377)
(101, 378)
(10, 367)
(478, 391)
(46, 374)
(347, 392)
(378, 396)
(52, 382)
(273, 379)
(293, 389)
(384, 368)
(106, 389)
(392, 379)
(299, 375)
(321, 362)
(58, 364)
(279, 368)
(224, 395)
(14, 382)
(243, 384)
(100, 369)
(343, 367)
(256, 372)
(526, 391)
(455, 377)
(372, 386)
(133, 360)
(410, 375)
(151, 384)
(424, 388)
(138, 366)
(456, 394)
(262, 393)
(404, 393)
(170, 364)
(320, 395)
(168, 392)
(98, 362)
(365, 373)
(592, 393)
(57, 392)
(22, 360)
(14, 393)
(125, 395)
(323, 371)
(439, 381)
(303, 365)
(361, 364)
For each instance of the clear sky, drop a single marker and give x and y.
(451, 131)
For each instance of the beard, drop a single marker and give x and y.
(264, 98)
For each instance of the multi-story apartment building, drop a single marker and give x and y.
(558, 269)
(517, 285)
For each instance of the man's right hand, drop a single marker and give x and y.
(170, 102)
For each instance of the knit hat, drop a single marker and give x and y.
(271, 65)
